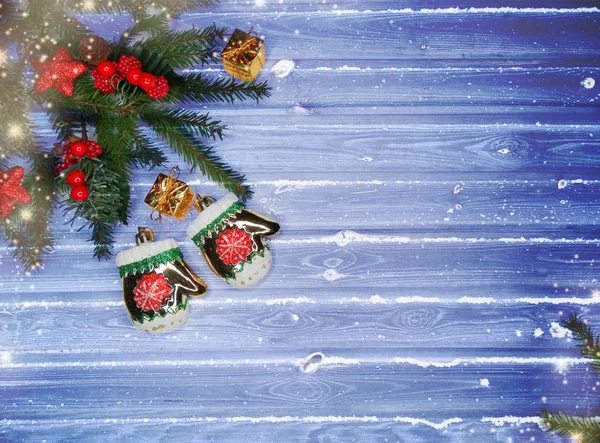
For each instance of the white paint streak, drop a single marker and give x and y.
(419, 421)
(289, 300)
(476, 300)
(376, 299)
(538, 333)
(345, 237)
(416, 299)
(558, 300)
(238, 419)
(484, 383)
(323, 361)
(426, 363)
(300, 184)
(557, 331)
(511, 420)
(411, 11)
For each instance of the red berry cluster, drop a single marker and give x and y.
(108, 74)
(76, 180)
(73, 152)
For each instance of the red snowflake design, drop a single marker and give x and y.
(234, 246)
(151, 291)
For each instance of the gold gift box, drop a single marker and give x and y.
(170, 197)
(244, 56)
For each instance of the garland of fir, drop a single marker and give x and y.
(579, 428)
(29, 30)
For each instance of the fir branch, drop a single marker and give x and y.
(153, 25)
(16, 134)
(583, 429)
(587, 343)
(145, 154)
(199, 124)
(116, 134)
(196, 88)
(197, 155)
(183, 49)
(104, 207)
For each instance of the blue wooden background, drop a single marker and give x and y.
(434, 166)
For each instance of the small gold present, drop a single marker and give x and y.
(170, 197)
(244, 56)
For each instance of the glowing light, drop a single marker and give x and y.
(89, 4)
(15, 130)
(26, 214)
(5, 358)
(259, 2)
(3, 57)
(562, 366)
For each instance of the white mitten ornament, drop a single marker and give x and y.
(156, 283)
(232, 240)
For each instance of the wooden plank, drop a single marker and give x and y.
(378, 145)
(328, 428)
(375, 85)
(228, 328)
(275, 144)
(412, 200)
(395, 33)
(395, 262)
(181, 389)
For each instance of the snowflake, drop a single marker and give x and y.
(151, 291)
(234, 246)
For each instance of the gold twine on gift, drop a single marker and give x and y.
(170, 188)
(240, 53)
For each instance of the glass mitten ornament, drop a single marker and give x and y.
(232, 240)
(157, 283)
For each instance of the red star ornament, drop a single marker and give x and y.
(11, 191)
(58, 72)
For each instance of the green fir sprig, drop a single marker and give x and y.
(131, 127)
(579, 428)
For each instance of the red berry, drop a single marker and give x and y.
(76, 178)
(66, 150)
(134, 75)
(107, 69)
(94, 149)
(79, 148)
(147, 81)
(127, 63)
(161, 89)
(72, 161)
(60, 167)
(105, 84)
(80, 193)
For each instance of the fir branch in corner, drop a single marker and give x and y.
(587, 343)
(583, 429)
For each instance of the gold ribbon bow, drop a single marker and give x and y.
(169, 194)
(244, 53)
